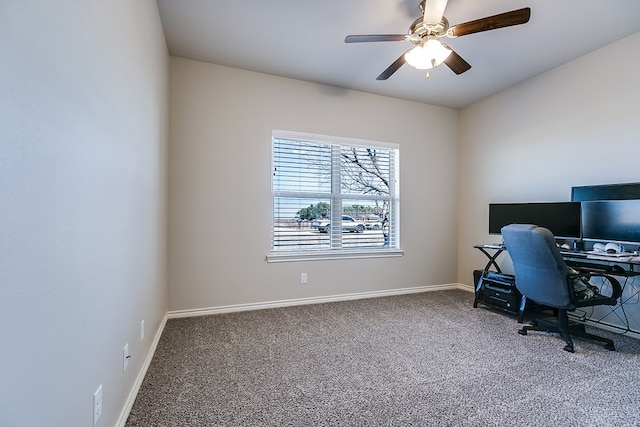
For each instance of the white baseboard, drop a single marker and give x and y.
(122, 419)
(313, 300)
(464, 287)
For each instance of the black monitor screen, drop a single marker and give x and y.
(611, 220)
(606, 192)
(561, 218)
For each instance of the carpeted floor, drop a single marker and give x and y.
(426, 359)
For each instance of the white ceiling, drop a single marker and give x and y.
(304, 39)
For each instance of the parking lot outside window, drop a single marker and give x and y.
(333, 197)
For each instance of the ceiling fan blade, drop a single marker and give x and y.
(392, 68)
(456, 63)
(507, 19)
(363, 38)
(433, 11)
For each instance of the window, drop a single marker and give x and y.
(333, 197)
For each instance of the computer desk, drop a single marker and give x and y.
(620, 318)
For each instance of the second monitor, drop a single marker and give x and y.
(561, 218)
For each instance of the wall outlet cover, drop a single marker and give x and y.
(125, 357)
(97, 404)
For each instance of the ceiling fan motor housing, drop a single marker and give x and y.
(420, 30)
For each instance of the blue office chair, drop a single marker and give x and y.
(542, 276)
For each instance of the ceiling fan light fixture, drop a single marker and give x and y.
(428, 55)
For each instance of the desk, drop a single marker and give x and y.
(622, 317)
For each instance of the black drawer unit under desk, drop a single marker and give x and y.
(497, 290)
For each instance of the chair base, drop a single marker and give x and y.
(566, 331)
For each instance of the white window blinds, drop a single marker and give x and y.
(333, 195)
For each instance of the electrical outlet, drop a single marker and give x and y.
(97, 404)
(303, 278)
(125, 357)
(142, 331)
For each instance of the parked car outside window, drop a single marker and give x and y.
(349, 225)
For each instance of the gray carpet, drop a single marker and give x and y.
(426, 359)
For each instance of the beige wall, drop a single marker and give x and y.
(578, 124)
(219, 186)
(83, 107)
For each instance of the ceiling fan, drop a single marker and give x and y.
(427, 31)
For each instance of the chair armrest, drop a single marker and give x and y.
(615, 284)
(600, 299)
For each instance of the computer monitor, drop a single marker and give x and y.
(606, 192)
(561, 218)
(611, 221)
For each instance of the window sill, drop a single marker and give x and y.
(317, 256)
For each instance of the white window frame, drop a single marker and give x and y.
(336, 251)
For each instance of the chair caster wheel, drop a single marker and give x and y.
(610, 347)
(522, 331)
(569, 348)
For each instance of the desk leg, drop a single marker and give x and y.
(477, 290)
(492, 259)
